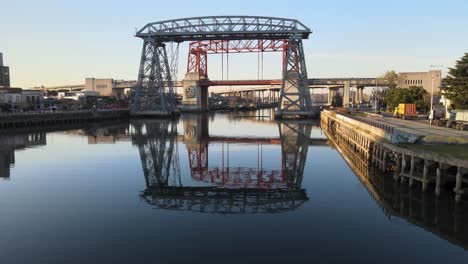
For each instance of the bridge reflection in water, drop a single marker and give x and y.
(223, 189)
(439, 216)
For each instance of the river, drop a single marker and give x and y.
(216, 188)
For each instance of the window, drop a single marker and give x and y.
(101, 86)
(28, 99)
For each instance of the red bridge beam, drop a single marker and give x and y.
(197, 60)
(239, 82)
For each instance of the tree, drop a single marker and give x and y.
(455, 85)
(390, 80)
(412, 95)
(337, 100)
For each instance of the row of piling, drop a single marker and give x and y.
(37, 120)
(430, 171)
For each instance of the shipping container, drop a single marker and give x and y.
(405, 111)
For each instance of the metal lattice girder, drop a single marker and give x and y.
(155, 87)
(198, 62)
(224, 200)
(157, 144)
(198, 50)
(224, 27)
(295, 138)
(238, 46)
(295, 94)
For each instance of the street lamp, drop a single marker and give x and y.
(431, 116)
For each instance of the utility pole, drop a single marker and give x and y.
(431, 116)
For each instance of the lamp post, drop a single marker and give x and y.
(431, 116)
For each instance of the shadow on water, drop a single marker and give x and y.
(438, 215)
(226, 189)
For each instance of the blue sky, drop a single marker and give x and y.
(62, 42)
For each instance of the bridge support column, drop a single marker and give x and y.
(361, 94)
(154, 93)
(346, 94)
(295, 98)
(330, 96)
(356, 95)
(195, 96)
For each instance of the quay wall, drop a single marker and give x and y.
(374, 146)
(36, 120)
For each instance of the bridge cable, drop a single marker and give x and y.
(222, 61)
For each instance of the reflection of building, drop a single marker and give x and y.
(10, 143)
(225, 189)
(424, 79)
(105, 132)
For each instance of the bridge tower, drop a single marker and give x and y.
(154, 93)
(294, 98)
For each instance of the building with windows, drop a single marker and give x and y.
(423, 79)
(4, 74)
(105, 87)
(32, 98)
(76, 95)
(10, 96)
(19, 98)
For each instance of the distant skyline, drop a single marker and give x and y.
(63, 42)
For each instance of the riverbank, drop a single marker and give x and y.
(31, 120)
(402, 151)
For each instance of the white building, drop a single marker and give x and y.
(16, 97)
(75, 95)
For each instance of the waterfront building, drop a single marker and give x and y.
(75, 95)
(105, 87)
(423, 79)
(4, 74)
(19, 98)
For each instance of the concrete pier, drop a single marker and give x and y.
(23, 120)
(373, 145)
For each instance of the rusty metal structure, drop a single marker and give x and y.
(223, 188)
(154, 92)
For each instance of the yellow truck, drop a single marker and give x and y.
(405, 111)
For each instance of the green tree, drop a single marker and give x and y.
(390, 80)
(337, 100)
(385, 83)
(455, 85)
(412, 95)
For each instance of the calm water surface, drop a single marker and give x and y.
(221, 188)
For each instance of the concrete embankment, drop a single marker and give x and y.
(22, 120)
(401, 152)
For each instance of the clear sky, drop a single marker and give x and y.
(62, 42)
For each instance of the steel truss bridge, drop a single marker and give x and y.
(226, 189)
(154, 93)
